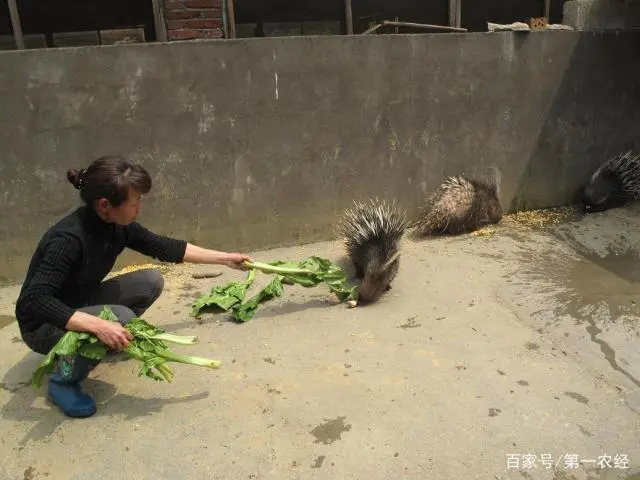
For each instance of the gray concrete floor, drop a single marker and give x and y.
(520, 342)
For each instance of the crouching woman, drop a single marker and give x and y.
(64, 287)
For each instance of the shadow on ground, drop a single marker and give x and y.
(24, 396)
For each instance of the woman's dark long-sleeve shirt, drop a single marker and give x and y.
(72, 259)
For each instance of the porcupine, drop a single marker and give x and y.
(460, 204)
(372, 233)
(614, 183)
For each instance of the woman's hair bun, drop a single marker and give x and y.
(75, 177)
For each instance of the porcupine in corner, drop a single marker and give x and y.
(614, 183)
(372, 232)
(460, 204)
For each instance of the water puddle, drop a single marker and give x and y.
(330, 431)
(602, 292)
(612, 282)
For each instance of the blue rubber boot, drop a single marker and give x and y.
(64, 387)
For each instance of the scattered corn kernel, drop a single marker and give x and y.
(484, 232)
(540, 218)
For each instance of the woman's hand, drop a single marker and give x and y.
(112, 334)
(195, 254)
(235, 260)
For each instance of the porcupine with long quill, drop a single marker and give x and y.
(460, 204)
(614, 183)
(372, 233)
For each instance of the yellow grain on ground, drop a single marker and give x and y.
(175, 275)
(133, 268)
(484, 232)
(539, 218)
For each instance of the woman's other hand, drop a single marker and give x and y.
(113, 335)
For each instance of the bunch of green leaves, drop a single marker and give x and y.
(148, 347)
(307, 273)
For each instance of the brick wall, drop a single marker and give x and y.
(189, 19)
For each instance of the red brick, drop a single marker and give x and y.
(176, 24)
(211, 13)
(203, 23)
(203, 3)
(184, 34)
(173, 5)
(182, 14)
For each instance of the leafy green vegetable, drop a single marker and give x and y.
(224, 297)
(148, 347)
(308, 273)
(245, 311)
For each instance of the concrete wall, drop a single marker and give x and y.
(595, 14)
(262, 142)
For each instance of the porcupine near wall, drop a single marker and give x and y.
(460, 204)
(614, 183)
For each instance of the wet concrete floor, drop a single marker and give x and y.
(508, 356)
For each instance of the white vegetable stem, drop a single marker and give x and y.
(265, 267)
